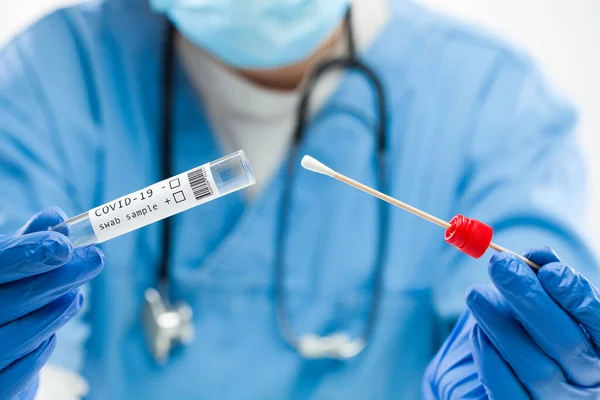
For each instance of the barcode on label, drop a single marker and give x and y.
(199, 183)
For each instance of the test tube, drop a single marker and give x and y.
(160, 200)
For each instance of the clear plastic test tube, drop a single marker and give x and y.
(160, 200)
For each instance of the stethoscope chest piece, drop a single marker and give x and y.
(338, 346)
(165, 325)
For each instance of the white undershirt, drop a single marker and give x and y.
(244, 116)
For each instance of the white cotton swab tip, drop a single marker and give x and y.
(313, 165)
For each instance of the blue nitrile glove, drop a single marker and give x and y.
(452, 374)
(529, 337)
(40, 276)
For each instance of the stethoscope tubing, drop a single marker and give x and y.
(346, 63)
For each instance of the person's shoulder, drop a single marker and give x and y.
(81, 26)
(443, 46)
(444, 35)
(81, 49)
(59, 24)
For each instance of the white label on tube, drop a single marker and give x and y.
(153, 203)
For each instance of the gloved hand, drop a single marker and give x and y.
(529, 337)
(40, 276)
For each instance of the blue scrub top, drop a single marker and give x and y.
(474, 130)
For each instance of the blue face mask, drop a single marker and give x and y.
(255, 34)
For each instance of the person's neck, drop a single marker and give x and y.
(289, 77)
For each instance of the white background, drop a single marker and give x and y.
(563, 35)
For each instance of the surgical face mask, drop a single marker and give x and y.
(255, 34)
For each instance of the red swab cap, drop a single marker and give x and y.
(470, 236)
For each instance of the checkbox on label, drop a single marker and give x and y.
(174, 183)
(179, 196)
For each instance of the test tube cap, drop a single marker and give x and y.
(468, 235)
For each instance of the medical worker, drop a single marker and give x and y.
(471, 128)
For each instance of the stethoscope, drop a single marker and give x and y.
(167, 325)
